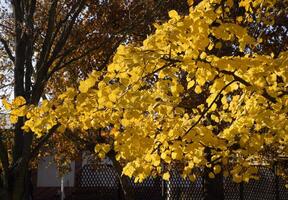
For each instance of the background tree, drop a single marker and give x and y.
(43, 45)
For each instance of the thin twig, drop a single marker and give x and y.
(208, 108)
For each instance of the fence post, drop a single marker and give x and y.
(62, 195)
(276, 182)
(164, 189)
(241, 191)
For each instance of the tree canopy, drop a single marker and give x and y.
(204, 81)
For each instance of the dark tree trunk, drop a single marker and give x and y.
(213, 187)
(126, 189)
(15, 176)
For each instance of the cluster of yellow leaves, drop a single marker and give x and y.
(17, 108)
(102, 150)
(248, 4)
(171, 98)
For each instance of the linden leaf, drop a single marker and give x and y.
(217, 169)
(198, 89)
(13, 119)
(18, 101)
(166, 176)
(190, 2)
(190, 84)
(20, 112)
(211, 175)
(6, 104)
(128, 170)
(87, 84)
(173, 14)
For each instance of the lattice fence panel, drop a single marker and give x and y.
(98, 176)
(179, 188)
(150, 188)
(262, 189)
(97, 182)
(283, 191)
(231, 189)
(101, 182)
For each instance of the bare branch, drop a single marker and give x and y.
(7, 49)
(47, 44)
(241, 80)
(208, 108)
(60, 66)
(66, 33)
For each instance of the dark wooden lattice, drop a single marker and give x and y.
(148, 189)
(100, 182)
(283, 191)
(179, 188)
(98, 176)
(231, 189)
(262, 189)
(97, 182)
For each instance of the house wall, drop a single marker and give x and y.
(47, 174)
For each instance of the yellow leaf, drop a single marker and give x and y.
(192, 177)
(230, 3)
(166, 176)
(113, 97)
(190, 2)
(177, 155)
(19, 112)
(237, 178)
(19, 101)
(211, 175)
(198, 89)
(203, 55)
(128, 170)
(239, 19)
(6, 104)
(101, 155)
(13, 119)
(97, 148)
(191, 84)
(215, 118)
(173, 14)
(217, 169)
(156, 160)
(106, 148)
(87, 84)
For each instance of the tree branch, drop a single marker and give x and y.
(47, 44)
(168, 64)
(43, 66)
(66, 33)
(7, 49)
(208, 108)
(240, 80)
(60, 66)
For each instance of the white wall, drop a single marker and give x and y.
(47, 174)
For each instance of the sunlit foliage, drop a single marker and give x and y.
(166, 102)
